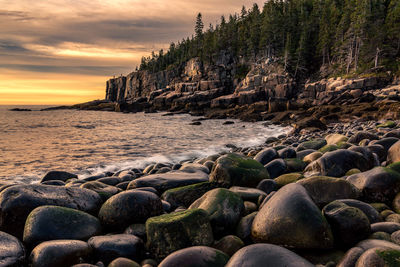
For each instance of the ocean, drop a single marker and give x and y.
(90, 142)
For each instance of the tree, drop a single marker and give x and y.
(198, 29)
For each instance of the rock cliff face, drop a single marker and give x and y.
(194, 86)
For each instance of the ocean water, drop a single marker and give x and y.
(90, 142)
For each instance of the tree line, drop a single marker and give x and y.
(344, 36)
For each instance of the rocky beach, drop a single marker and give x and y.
(319, 198)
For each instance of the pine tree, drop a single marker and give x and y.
(198, 29)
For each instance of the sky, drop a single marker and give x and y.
(63, 51)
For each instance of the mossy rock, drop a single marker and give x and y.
(394, 166)
(288, 178)
(388, 124)
(312, 144)
(224, 207)
(328, 148)
(237, 170)
(352, 171)
(380, 236)
(295, 165)
(390, 256)
(186, 195)
(170, 232)
(380, 206)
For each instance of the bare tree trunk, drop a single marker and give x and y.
(377, 56)
(350, 57)
(357, 53)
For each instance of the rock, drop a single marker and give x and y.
(58, 175)
(334, 139)
(51, 223)
(291, 219)
(194, 167)
(123, 262)
(313, 156)
(302, 154)
(243, 229)
(386, 142)
(171, 232)
(224, 207)
(113, 181)
(372, 214)
(267, 255)
(266, 155)
(387, 124)
(18, 201)
(313, 144)
(59, 253)
(267, 185)
(133, 206)
(276, 168)
(107, 248)
(54, 182)
(374, 243)
(355, 139)
(387, 227)
(394, 153)
(247, 194)
(237, 170)
(294, 165)
(379, 257)
(351, 257)
(288, 178)
(395, 237)
(198, 256)
(104, 190)
(164, 181)
(137, 229)
(324, 190)
(12, 251)
(349, 224)
(287, 152)
(377, 185)
(229, 244)
(186, 195)
(337, 163)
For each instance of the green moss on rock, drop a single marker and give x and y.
(288, 178)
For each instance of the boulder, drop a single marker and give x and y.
(108, 247)
(291, 219)
(229, 244)
(288, 178)
(287, 152)
(243, 229)
(18, 201)
(194, 167)
(276, 168)
(224, 207)
(235, 169)
(267, 255)
(248, 194)
(267, 185)
(186, 195)
(312, 144)
(387, 227)
(349, 225)
(198, 256)
(164, 181)
(12, 251)
(266, 155)
(374, 243)
(123, 262)
(324, 190)
(51, 223)
(337, 163)
(133, 206)
(377, 257)
(170, 232)
(394, 153)
(334, 139)
(58, 175)
(356, 138)
(377, 185)
(60, 253)
(104, 190)
(372, 214)
(351, 257)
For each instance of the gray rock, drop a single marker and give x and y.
(243, 229)
(379, 257)
(356, 138)
(351, 257)
(267, 185)
(387, 227)
(58, 175)
(276, 168)
(372, 214)
(247, 194)
(51, 223)
(266, 155)
(229, 244)
(12, 251)
(291, 219)
(133, 206)
(394, 153)
(267, 255)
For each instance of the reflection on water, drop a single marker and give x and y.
(87, 142)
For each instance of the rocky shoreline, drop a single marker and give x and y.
(310, 198)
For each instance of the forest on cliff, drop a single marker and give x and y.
(308, 37)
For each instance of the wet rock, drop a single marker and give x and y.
(107, 248)
(58, 175)
(59, 253)
(123, 262)
(324, 190)
(237, 170)
(276, 168)
(247, 194)
(104, 190)
(198, 256)
(267, 185)
(18, 201)
(266, 155)
(194, 167)
(291, 219)
(356, 138)
(133, 206)
(351, 257)
(337, 163)
(224, 207)
(377, 185)
(12, 251)
(394, 153)
(349, 224)
(110, 180)
(229, 244)
(267, 255)
(372, 214)
(164, 181)
(186, 195)
(171, 232)
(51, 223)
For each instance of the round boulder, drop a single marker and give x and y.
(12, 252)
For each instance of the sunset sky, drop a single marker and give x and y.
(63, 51)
